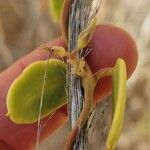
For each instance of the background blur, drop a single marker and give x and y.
(26, 24)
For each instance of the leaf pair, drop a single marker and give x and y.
(23, 99)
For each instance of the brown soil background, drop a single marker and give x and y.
(26, 24)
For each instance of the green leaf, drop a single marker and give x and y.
(55, 9)
(119, 103)
(23, 99)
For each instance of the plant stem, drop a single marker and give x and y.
(79, 16)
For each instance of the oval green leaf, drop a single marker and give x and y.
(24, 95)
(119, 103)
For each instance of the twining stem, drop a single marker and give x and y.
(79, 17)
